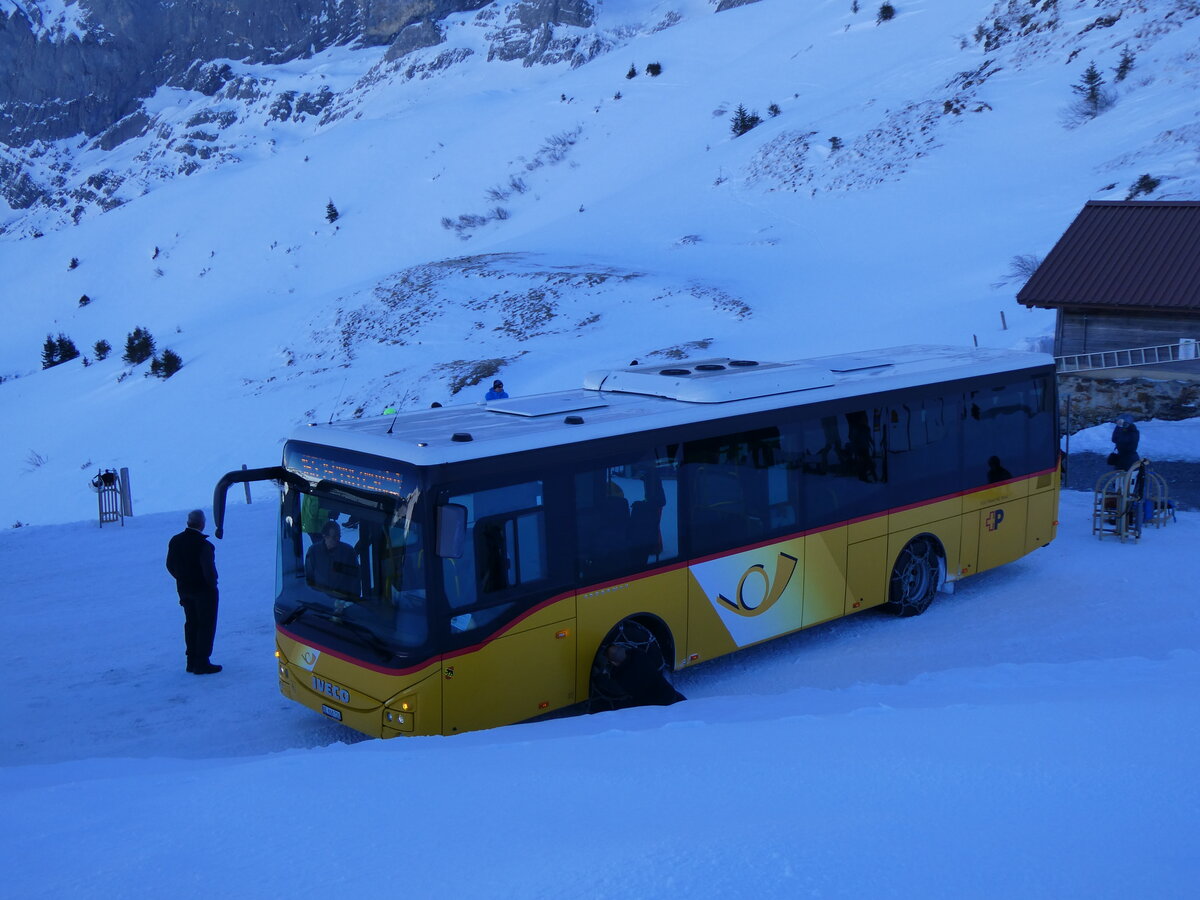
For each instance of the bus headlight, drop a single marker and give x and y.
(400, 714)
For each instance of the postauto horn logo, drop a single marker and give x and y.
(772, 588)
(993, 519)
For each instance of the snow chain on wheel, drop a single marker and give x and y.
(636, 638)
(914, 578)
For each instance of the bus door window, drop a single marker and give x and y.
(406, 576)
(504, 553)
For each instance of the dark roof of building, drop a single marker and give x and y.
(1140, 255)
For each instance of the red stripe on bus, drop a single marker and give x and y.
(681, 564)
(409, 670)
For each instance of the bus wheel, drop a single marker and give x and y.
(612, 689)
(914, 578)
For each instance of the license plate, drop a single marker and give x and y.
(331, 712)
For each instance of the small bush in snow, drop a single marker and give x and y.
(632, 73)
(101, 349)
(1146, 184)
(886, 13)
(1020, 269)
(773, 110)
(654, 69)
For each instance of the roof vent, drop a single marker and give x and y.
(742, 363)
(461, 437)
(710, 367)
(573, 420)
(674, 371)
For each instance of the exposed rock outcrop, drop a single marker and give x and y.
(60, 78)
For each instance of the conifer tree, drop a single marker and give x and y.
(1093, 98)
(49, 352)
(1125, 64)
(139, 346)
(101, 349)
(66, 348)
(331, 212)
(168, 365)
(743, 121)
(886, 13)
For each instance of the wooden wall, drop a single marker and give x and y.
(1091, 331)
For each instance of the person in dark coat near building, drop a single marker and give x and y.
(191, 560)
(1125, 436)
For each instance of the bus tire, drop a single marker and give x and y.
(914, 578)
(604, 693)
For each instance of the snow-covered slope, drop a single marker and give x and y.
(528, 220)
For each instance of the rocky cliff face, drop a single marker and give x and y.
(72, 68)
(79, 67)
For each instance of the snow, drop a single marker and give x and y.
(1159, 441)
(56, 19)
(1032, 734)
(900, 237)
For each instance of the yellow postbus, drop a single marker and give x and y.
(459, 568)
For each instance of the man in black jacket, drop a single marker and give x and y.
(191, 560)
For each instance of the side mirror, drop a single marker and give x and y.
(451, 530)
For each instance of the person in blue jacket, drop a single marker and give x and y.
(497, 391)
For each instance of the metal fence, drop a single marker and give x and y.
(1182, 350)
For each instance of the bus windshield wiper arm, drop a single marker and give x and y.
(298, 612)
(370, 638)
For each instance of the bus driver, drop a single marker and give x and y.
(331, 566)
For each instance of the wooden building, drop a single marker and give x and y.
(1124, 275)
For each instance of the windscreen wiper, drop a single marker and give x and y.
(366, 635)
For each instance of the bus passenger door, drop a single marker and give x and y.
(524, 672)
(509, 618)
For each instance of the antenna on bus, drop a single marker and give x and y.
(393, 425)
(337, 401)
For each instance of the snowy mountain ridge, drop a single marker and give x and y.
(538, 221)
(214, 111)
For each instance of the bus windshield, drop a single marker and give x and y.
(351, 572)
